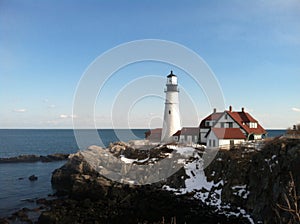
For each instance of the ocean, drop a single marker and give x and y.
(16, 189)
(15, 186)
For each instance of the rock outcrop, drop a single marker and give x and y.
(35, 158)
(258, 180)
(32, 178)
(92, 198)
(242, 185)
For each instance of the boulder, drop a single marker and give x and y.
(32, 178)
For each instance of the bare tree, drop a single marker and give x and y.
(291, 202)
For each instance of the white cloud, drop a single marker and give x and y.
(296, 109)
(64, 116)
(20, 110)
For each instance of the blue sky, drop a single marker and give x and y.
(253, 48)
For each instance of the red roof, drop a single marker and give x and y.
(228, 133)
(212, 117)
(243, 118)
(177, 133)
(153, 134)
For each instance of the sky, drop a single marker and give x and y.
(252, 48)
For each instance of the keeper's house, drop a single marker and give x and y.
(225, 129)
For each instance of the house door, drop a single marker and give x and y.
(251, 137)
(189, 139)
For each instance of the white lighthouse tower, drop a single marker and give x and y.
(171, 116)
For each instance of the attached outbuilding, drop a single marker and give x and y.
(224, 138)
(189, 135)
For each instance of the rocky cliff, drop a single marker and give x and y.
(244, 185)
(260, 180)
(91, 197)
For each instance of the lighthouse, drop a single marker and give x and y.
(171, 115)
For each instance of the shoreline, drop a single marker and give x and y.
(35, 158)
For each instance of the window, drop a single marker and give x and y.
(253, 125)
(214, 143)
(226, 116)
(169, 112)
(209, 142)
(230, 125)
(222, 124)
(207, 123)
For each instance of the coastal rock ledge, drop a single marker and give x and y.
(35, 158)
(244, 185)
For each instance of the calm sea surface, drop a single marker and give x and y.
(13, 142)
(13, 190)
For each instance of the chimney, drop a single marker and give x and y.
(243, 109)
(230, 108)
(215, 110)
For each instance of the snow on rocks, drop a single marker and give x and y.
(208, 192)
(126, 160)
(240, 190)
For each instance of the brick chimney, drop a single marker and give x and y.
(215, 110)
(230, 108)
(243, 109)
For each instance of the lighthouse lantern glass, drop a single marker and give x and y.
(172, 80)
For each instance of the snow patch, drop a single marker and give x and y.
(208, 192)
(126, 160)
(240, 190)
(271, 162)
(186, 152)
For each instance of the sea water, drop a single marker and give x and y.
(15, 187)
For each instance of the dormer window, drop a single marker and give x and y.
(252, 125)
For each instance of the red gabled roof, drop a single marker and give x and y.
(228, 133)
(211, 117)
(242, 118)
(177, 133)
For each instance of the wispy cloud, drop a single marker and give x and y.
(64, 116)
(20, 110)
(296, 109)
